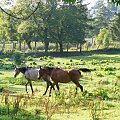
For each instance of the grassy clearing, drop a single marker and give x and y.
(101, 101)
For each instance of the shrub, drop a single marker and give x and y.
(50, 57)
(41, 58)
(50, 63)
(58, 62)
(109, 73)
(29, 58)
(45, 57)
(71, 60)
(7, 66)
(7, 59)
(67, 63)
(101, 93)
(18, 58)
(98, 74)
(2, 87)
(109, 69)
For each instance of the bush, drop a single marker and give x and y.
(109, 69)
(101, 93)
(18, 58)
(7, 59)
(2, 87)
(50, 57)
(99, 74)
(29, 58)
(7, 66)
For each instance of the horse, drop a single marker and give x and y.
(62, 76)
(31, 75)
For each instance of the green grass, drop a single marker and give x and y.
(101, 101)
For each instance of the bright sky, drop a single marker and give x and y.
(90, 2)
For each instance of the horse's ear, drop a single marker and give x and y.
(40, 67)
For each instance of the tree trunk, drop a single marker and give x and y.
(29, 45)
(99, 44)
(56, 47)
(35, 45)
(20, 45)
(77, 47)
(46, 41)
(67, 47)
(24, 46)
(46, 46)
(13, 46)
(3, 47)
(80, 47)
(61, 47)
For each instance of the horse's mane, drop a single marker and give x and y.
(49, 68)
(23, 69)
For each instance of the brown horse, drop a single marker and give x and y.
(62, 76)
(31, 75)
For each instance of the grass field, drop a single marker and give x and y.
(101, 100)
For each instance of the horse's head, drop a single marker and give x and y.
(16, 71)
(41, 72)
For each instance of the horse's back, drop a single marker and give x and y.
(31, 74)
(74, 74)
(59, 75)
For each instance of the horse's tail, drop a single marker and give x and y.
(85, 70)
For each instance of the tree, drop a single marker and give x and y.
(104, 37)
(102, 16)
(114, 27)
(68, 24)
(3, 30)
(117, 2)
(26, 31)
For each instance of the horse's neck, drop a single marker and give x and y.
(23, 70)
(50, 71)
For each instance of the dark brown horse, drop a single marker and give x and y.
(62, 76)
(31, 75)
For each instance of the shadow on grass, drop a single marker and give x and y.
(109, 51)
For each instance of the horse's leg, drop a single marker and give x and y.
(52, 86)
(76, 91)
(47, 86)
(57, 86)
(31, 86)
(78, 85)
(26, 86)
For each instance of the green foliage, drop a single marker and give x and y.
(114, 27)
(2, 87)
(117, 2)
(47, 58)
(29, 58)
(7, 59)
(50, 63)
(18, 58)
(109, 68)
(7, 66)
(17, 81)
(103, 93)
(104, 37)
(99, 74)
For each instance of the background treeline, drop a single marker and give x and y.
(59, 25)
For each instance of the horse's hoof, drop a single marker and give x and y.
(44, 94)
(33, 94)
(84, 93)
(49, 95)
